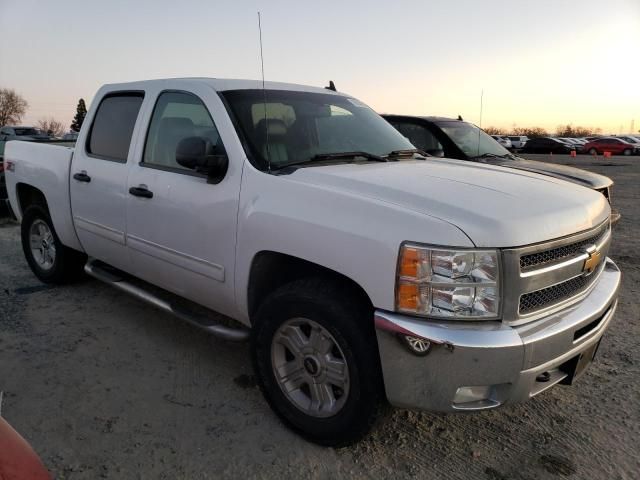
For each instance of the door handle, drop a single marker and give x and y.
(141, 192)
(82, 177)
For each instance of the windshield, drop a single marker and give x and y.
(294, 127)
(471, 140)
(27, 131)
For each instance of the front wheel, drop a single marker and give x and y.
(315, 355)
(593, 151)
(626, 152)
(48, 258)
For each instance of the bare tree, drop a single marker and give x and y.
(531, 132)
(12, 107)
(51, 126)
(495, 131)
(571, 131)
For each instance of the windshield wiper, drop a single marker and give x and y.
(493, 155)
(346, 155)
(409, 151)
(335, 156)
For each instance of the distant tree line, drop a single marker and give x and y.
(533, 132)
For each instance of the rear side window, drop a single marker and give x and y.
(112, 128)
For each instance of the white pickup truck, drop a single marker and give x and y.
(362, 271)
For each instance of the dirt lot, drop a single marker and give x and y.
(106, 387)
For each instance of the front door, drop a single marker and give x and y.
(181, 234)
(99, 178)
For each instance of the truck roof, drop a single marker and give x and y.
(221, 84)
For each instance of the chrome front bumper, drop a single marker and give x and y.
(480, 365)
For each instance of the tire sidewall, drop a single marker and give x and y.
(33, 213)
(362, 400)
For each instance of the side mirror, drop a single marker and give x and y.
(199, 154)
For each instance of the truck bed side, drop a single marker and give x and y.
(45, 168)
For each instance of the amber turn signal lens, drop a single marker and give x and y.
(408, 296)
(409, 262)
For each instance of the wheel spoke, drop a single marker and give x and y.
(321, 397)
(335, 371)
(321, 344)
(35, 242)
(293, 339)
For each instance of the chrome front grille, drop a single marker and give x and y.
(543, 278)
(534, 260)
(539, 299)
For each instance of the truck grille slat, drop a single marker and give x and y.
(533, 260)
(556, 293)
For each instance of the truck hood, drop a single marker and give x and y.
(571, 174)
(494, 206)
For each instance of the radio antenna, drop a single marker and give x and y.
(264, 97)
(481, 95)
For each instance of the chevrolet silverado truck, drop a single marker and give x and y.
(362, 272)
(451, 138)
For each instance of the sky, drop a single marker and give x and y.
(542, 63)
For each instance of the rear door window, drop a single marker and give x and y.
(112, 128)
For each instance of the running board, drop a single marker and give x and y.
(135, 287)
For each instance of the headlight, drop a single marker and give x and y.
(451, 284)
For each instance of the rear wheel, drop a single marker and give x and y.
(48, 258)
(315, 355)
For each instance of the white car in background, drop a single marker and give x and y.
(504, 141)
(518, 141)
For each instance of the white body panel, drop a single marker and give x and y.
(45, 167)
(200, 240)
(184, 238)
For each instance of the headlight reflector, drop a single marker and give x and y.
(452, 284)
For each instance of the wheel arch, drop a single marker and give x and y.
(28, 195)
(270, 270)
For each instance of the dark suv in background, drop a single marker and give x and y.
(451, 138)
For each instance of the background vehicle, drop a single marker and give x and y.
(573, 142)
(518, 141)
(504, 141)
(71, 136)
(20, 133)
(462, 140)
(275, 199)
(547, 145)
(614, 145)
(630, 139)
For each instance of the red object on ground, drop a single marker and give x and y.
(18, 461)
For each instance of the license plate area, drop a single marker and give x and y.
(575, 367)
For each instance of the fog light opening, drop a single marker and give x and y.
(476, 397)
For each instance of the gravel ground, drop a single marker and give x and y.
(106, 387)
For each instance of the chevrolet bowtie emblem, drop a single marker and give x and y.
(592, 261)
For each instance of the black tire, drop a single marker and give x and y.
(67, 265)
(627, 152)
(351, 325)
(593, 151)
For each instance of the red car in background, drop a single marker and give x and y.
(614, 145)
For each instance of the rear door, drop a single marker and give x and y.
(182, 235)
(99, 177)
